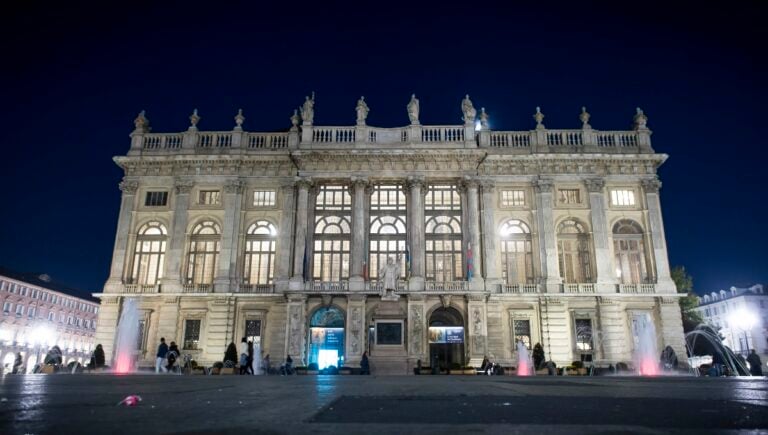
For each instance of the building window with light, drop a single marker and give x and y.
(513, 198)
(443, 235)
(192, 334)
(629, 253)
(516, 253)
(622, 197)
(333, 229)
(259, 267)
(574, 254)
(149, 254)
(209, 197)
(521, 329)
(203, 253)
(569, 196)
(264, 198)
(583, 332)
(388, 223)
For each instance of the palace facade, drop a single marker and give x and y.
(541, 236)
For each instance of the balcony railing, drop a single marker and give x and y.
(447, 286)
(267, 140)
(142, 288)
(376, 286)
(256, 288)
(197, 288)
(578, 288)
(519, 288)
(636, 288)
(328, 286)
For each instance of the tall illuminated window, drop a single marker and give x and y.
(516, 253)
(388, 228)
(333, 229)
(149, 255)
(573, 246)
(259, 265)
(629, 253)
(203, 253)
(442, 212)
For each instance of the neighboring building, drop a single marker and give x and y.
(37, 314)
(551, 236)
(740, 315)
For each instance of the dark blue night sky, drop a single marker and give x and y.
(74, 78)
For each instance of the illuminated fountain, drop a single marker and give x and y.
(127, 337)
(524, 364)
(705, 341)
(645, 356)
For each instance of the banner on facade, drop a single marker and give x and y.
(446, 334)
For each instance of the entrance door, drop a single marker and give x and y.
(326, 338)
(446, 339)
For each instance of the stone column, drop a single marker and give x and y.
(417, 330)
(664, 283)
(300, 238)
(613, 328)
(472, 227)
(671, 326)
(357, 251)
(226, 278)
(296, 328)
(416, 187)
(478, 332)
(173, 277)
(356, 330)
(605, 279)
(284, 245)
(490, 247)
(547, 238)
(109, 313)
(117, 271)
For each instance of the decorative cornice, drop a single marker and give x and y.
(129, 187)
(651, 185)
(183, 186)
(595, 185)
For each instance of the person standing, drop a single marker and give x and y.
(249, 359)
(162, 351)
(243, 351)
(365, 367)
(17, 364)
(755, 365)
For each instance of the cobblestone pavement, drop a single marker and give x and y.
(369, 404)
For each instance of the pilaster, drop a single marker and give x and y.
(172, 279)
(300, 239)
(664, 283)
(284, 245)
(606, 280)
(356, 330)
(489, 237)
(124, 221)
(416, 187)
(359, 227)
(547, 240)
(470, 186)
(226, 278)
(296, 327)
(478, 331)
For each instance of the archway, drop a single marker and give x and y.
(446, 338)
(326, 337)
(8, 361)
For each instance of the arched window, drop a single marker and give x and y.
(149, 255)
(516, 253)
(203, 253)
(330, 259)
(388, 228)
(629, 254)
(259, 267)
(573, 246)
(442, 212)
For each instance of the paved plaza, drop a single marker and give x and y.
(370, 404)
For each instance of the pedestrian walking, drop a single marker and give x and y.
(249, 359)
(243, 351)
(172, 355)
(162, 352)
(365, 367)
(755, 365)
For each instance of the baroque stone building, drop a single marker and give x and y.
(541, 236)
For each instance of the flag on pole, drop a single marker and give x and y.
(470, 262)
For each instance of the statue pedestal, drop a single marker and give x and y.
(390, 296)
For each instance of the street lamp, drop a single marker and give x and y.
(744, 320)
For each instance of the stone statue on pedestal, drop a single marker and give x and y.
(308, 109)
(413, 110)
(469, 110)
(362, 111)
(388, 276)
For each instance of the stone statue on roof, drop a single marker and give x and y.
(362, 111)
(468, 110)
(413, 110)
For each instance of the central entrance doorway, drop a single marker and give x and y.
(446, 339)
(326, 338)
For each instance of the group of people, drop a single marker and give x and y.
(246, 351)
(166, 357)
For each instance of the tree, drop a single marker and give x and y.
(684, 283)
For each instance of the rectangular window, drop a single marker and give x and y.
(2, 285)
(12, 288)
(192, 334)
(156, 199)
(34, 294)
(622, 197)
(23, 291)
(209, 197)
(7, 306)
(512, 198)
(19, 310)
(522, 330)
(51, 317)
(31, 312)
(584, 335)
(264, 198)
(569, 196)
